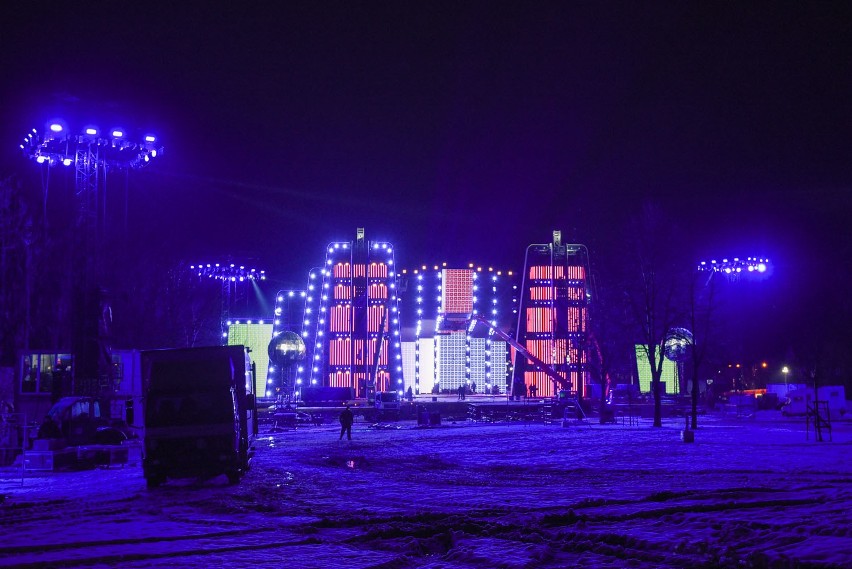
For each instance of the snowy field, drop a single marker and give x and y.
(747, 493)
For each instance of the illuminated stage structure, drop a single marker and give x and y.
(93, 155)
(351, 324)
(439, 352)
(554, 318)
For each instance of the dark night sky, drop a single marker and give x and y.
(434, 124)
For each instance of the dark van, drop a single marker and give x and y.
(200, 413)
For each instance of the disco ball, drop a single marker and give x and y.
(286, 347)
(677, 343)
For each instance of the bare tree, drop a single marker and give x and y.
(652, 285)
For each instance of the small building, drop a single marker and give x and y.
(799, 400)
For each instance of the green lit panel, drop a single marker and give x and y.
(255, 337)
(668, 377)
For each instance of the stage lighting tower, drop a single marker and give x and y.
(230, 275)
(94, 154)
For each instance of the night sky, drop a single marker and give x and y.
(458, 131)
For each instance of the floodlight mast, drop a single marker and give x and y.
(94, 155)
(230, 274)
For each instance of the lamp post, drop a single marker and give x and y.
(785, 370)
(733, 270)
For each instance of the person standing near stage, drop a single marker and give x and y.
(346, 420)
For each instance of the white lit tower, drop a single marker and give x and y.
(94, 155)
(554, 318)
(440, 301)
(351, 326)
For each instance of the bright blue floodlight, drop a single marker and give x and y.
(57, 146)
(752, 266)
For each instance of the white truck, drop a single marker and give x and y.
(387, 401)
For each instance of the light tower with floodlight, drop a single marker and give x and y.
(94, 154)
(231, 276)
(733, 269)
(736, 267)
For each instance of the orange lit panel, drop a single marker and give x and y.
(342, 292)
(383, 354)
(576, 273)
(383, 382)
(339, 379)
(378, 271)
(543, 383)
(541, 293)
(340, 318)
(573, 356)
(342, 271)
(550, 352)
(539, 319)
(378, 291)
(545, 272)
(576, 319)
(340, 352)
(375, 314)
(457, 291)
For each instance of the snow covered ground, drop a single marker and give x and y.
(748, 493)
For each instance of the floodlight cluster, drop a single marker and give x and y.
(757, 265)
(228, 272)
(88, 146)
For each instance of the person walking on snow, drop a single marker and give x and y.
(346, 419)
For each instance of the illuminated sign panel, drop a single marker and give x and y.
(255, 337)
(643, 366)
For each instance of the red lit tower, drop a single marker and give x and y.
(553, 319)
(352, 322)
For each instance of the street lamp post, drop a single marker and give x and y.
(785, 370)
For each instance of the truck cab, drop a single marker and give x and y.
(387, 400)
(200, 413)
